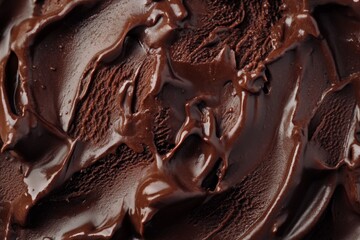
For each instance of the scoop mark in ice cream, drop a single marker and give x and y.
(179, 119)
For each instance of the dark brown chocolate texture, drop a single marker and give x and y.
(179, 119)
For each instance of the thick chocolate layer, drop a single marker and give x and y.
(179, 119)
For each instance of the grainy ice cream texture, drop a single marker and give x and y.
(179, 119)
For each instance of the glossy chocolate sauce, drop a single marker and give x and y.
(179, 119)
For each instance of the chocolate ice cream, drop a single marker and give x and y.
(179, 119)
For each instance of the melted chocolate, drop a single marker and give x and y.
(176, 119)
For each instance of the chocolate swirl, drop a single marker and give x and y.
(201, 119)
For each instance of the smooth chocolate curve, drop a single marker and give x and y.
(177, 119)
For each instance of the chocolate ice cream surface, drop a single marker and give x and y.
(179, 119)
